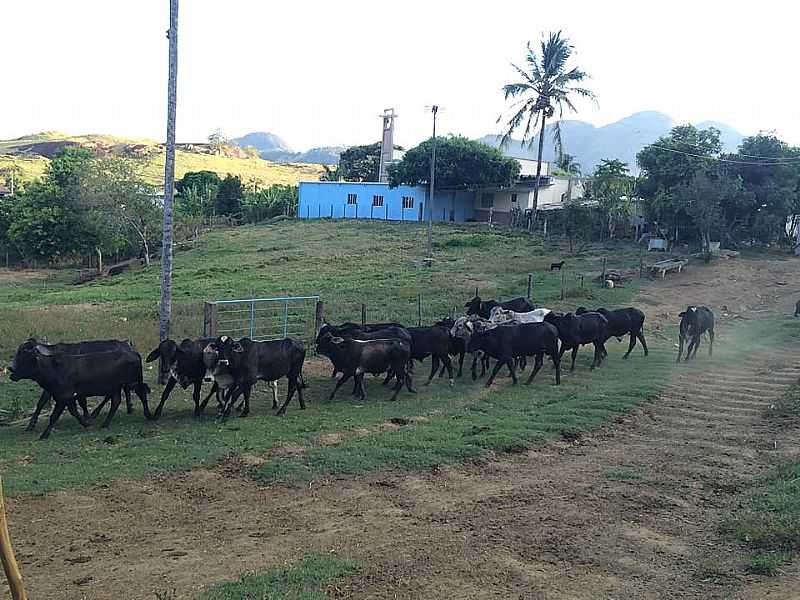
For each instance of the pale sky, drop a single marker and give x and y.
(320, 72)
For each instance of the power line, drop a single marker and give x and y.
(788, 161)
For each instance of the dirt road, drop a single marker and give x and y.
(631, 511)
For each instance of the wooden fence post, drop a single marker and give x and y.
(210, 319)
(319, 316)
(10, 566)
(363, 314)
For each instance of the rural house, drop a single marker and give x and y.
(372, 200)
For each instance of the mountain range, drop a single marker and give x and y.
(587, 143)
(622, 139)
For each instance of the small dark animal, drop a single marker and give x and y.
(249, 362)
(621, 322)
(434, 342)
(184, 363)
(505, 343)
(797, 309)
(695, 321)
(457, 346)
(355, 357)
(70, 373)
(476, 306)
(575, 331)
(557, 266)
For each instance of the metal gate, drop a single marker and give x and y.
(264, 318)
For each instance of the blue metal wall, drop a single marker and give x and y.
(321, 199)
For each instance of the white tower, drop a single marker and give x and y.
(387, 144)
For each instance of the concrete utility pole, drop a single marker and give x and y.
(434, 110)
(169, 177)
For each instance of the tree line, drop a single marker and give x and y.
(89, 208)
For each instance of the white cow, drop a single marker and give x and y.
(502, 315)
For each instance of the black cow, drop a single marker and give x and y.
(621, 322)
(505, 343)
(434, 342)
(71, 373)
(249, 362)
(78, 348)
(574, 331)
(476, 306)
(695, 321)
(184, 363)
(457, 346)
(557, 266)
(355, 357)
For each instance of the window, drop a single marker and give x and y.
(408, 201)
(513, 198)
(377, 201)
(487, 200)
(352, 198)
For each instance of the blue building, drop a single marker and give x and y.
(367, 200)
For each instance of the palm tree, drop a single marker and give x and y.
(567, 163)
(547, 86)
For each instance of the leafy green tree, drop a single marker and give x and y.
(577, 220)
(259, 205)
(460, 162)
(566, 162)
(229, 195)
(120, 206)
(548, 85)
(612, 187)
(197, 193)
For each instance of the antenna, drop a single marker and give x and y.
(387, 144)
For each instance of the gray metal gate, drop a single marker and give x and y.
(264, 318)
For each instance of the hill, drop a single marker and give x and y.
(31, 155)
(272, 147)
(621, 139)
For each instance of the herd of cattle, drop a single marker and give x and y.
(509, 332)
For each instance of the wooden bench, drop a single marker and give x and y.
(663, 267)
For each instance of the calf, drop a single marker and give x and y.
(355, 357)
(557, 266)
(68, 373)
(504, 343)
(695, 321)
(375, 331)
(457, 347)
(621, 322)
(184, 363)
(249, 362)
(476, 306)
(575, 331)
(434, 342)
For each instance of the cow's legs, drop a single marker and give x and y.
(631, 345)
(537, 365)
(680, 348)
(61, 404)
(497, 366)
(449, 365)
(128, 403)
(202, 407)
(640, 335)
(72, 407)
(116, 399)
(557, 363)
(574, 356)
(247, 391)
(43, 400)
(164, 395)
(345, 377)
(434, 368)
(292, 386)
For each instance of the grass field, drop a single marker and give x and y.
(33, 165)
(346, 264)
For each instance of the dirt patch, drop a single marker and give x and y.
(8, 276)
(629, 511)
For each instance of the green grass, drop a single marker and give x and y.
(623, 473)
(347, 264)
(303, 581)
(768, 518)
